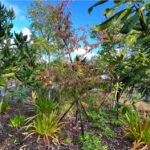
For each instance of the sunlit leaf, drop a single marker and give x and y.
(130, 23)
(96, 4)
(8, 75)
(108, 22)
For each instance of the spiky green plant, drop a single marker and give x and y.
(136, 126)
(45, 105)
(17, 121)
(47, 126)
(4, 105)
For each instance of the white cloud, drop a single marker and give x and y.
(83, 52)
(11, 42)
(27, 32)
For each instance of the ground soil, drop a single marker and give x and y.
(12, 139)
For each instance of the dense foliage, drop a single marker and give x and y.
(64, 90)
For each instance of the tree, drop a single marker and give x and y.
(124, 64)
(72, 77)
(74, 81)
(26, 60)
(6, 48)
(18, 58)
(134, 19)
(52, 23)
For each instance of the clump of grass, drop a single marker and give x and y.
(17, 121)
(45, 105)
(47, 126)
(136, 126)
(4, 105)
(109, 133)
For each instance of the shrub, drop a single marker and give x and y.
(68, 141)
(17, 121)
(45, 105)
(46, 125)
(95, 115)
(91, 142)
(18, 93)
(101, 120)
(108, 132)
(136, 126)
(116, 122)
(4, 105)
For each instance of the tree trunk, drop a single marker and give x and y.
(116, 101)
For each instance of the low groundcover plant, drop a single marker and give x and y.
(47, 126)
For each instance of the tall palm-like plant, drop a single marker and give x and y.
(134, 18)
(6, 57)
(18, 58)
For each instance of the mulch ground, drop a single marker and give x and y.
(11, 139)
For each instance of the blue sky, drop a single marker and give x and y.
(79, 9)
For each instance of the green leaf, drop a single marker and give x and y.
(125, 109)
(130, 23)
(138, 27)
(109, 12)
(2, 82)
(117, 1)
(126, 14)
(120, 1)
(8, 75)
(144, 40)
(145, 5)
(25, 38)
(96, 4)
(108, 22)
(2, 32)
